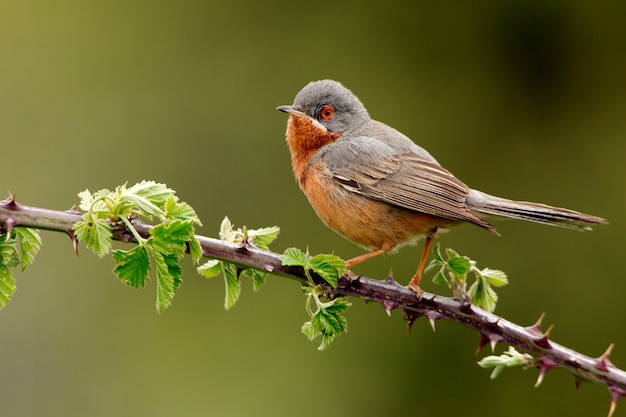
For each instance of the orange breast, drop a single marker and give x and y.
(304, 139)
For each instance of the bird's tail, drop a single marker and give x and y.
(485, 206)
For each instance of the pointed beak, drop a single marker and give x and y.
(292, 111)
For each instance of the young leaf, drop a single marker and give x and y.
(261, 238)
(146, 207)
(232, 283)
(30, 243)
(170, 238)
(482, 295)
(440, 279)
(168, 279)
(451, 253)
(495, 277)
(195, 250)
(327, 322)
(95, 233)
(329, 267)
(508, 359)
(310, 332)
(210, 268)
(258, 277)
(437, 254)
(86, 199)
(156, 194)
(8, 252)
(132, 266)
(227, 231)
(459, 265)
(293, 257)
(7, 285)
(180, 211)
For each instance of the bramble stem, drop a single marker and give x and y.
(391, 295)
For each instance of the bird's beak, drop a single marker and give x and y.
(292, 111)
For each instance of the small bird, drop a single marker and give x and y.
(376, 187)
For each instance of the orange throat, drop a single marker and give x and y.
(305, 137)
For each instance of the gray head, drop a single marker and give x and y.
(331, 104)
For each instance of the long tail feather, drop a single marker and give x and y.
(487, 205)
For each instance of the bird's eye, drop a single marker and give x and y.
(327, 112)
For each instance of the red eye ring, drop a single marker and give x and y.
(327, 112)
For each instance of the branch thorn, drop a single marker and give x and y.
(482, 342)
(546, 334)
(536, 328)
(544, 366)
(72, 235)
(616, 395)
(10, 200)
(432, 316)
(390, 280)
(410, 316)
(432, 323)
(389, 306)
(603, 362)
(73, 209)
(491, 338)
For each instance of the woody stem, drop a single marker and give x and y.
(493, 329)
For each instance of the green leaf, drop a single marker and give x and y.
(156, 194)
(30, 243)
(8, 252)
(328, 322)
(7, 285)
(227, 231)
(195, 250)
(233, 285)
(145, 206)
(170, 238)
(96, 234)
(261, 238)
(495, 277)
(310, 332)
(210, 268)
(168, 279)
(329, 267)
(437, 254)
(440, 279)
(459, 265)
(132, 266)
(506, 360)
(258, 277)
(482, 295)
(181, 211)
(293, 257)
(86, 200)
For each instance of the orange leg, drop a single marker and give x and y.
(364, 257)
(415, 281)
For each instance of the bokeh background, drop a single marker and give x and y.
(524, 99)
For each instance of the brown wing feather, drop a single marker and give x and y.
(404, 179)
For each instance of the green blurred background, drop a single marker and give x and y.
(524, 99)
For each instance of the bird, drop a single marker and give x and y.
(376, 187)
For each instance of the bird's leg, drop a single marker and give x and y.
(415, 281)
(365, 257)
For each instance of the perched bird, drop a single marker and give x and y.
(376, 187)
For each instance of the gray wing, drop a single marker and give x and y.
(405, 178)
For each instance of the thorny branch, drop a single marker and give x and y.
(391, 295)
